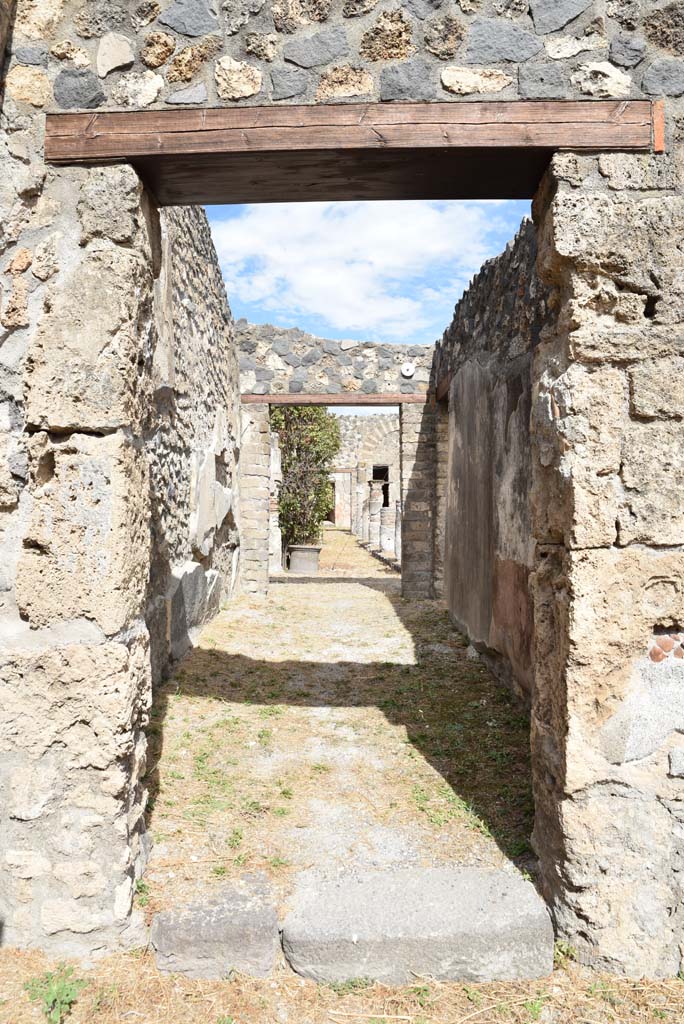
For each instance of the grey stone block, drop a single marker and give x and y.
(36, 55)
(236, 931)
(193, 94)
(422, 8)
(288, 82)
(292, 359)
(550, 15)
(542, 81)
(664, 77)
(314, 356)
(331, 348)
(321, 48)
(77, 89)
(193, 597)
(677, 763)
(295, 387)
(490, 41)
(281, 347)
(627, 51)
(370, 387)
(447, 923)
(413, 80)
(190, 17)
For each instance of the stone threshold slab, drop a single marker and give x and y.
(459, 924)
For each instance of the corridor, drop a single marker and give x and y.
(332, 723)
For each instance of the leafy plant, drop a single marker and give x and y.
(142, 890)
(235, 838)
(57, 991)
(309, 438)
(563, 953)
(535, 1006)
(345, 988)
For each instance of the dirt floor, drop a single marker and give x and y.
(332, 722)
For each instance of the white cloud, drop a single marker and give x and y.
(377, 270)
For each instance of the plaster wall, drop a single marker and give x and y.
(487, 352)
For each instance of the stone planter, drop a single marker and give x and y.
(304, 559)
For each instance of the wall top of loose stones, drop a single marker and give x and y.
(279, 360)
(112, 54)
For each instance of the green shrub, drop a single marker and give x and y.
(309, 438)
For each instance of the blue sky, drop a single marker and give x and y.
(382, 271)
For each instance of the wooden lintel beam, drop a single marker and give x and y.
(354, 398)
(545, 124)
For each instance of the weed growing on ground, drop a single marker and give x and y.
(142, 891)
(56, 991)
(422, 994)
(563, 953)
(345, 988)
(535, 1006)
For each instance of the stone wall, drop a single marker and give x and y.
(111, 482)
(366, 441)
(487, 352)
(283, 361)
(75, 669)
(79, 251)
(276, 360)
(69, 54)
(418, 440)
(193, 437)
(607, 499)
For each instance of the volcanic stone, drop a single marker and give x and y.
(75, 88)
(321, 48)
(550, 15)
(190, 17)
(665, 77)
(490, 41)
(236, 931)
(627, 51)
(393, 926)
(542, 81)
(288, 82)
(412, 80)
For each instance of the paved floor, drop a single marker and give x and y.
(332, 723)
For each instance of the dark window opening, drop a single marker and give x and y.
(382, 473)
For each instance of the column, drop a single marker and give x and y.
(255, 470)
(387, 530)
(418, 499)
(374, 509)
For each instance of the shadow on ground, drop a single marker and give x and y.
(456, 715)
